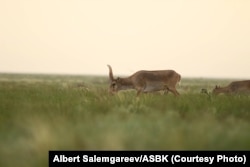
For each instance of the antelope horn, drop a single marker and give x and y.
(111, 77)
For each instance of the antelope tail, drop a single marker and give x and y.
(179, 80)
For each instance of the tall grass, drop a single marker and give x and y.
(40, 113)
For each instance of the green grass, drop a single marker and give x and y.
(51, 112)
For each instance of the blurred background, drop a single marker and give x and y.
(196, 38)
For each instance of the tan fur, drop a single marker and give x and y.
(146, 81)
(236, 87)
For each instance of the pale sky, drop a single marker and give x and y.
(196, 38)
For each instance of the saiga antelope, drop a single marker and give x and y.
(146, 81)
(233, 88)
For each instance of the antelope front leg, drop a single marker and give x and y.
(174, 91)
(138, 92)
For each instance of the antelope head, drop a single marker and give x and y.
(118, 83)
(216, 90)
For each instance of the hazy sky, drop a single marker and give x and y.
(197, 38)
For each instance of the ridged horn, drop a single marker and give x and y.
(111, 77)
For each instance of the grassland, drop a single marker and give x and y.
(52, 112)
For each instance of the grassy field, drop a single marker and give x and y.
(52, 112)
